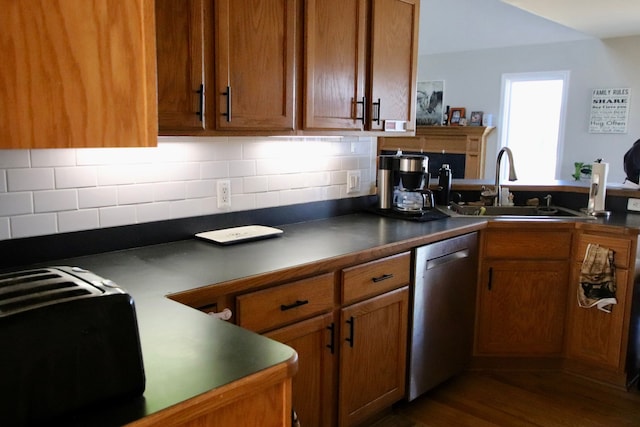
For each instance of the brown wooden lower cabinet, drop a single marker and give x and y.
(372, 356)
(313, 386)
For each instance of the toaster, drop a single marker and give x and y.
(69, 340)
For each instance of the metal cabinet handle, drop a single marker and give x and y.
(298, 303)
(377, 107)
(363, 118)
(381, 278)
(228, 95)
(332, 329)
(351, 322)
(200, 112)
(489, 284)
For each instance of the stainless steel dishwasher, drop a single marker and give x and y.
(443, 311)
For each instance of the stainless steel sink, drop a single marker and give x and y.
(516, 211)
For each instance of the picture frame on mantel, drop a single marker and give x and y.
(476, 118)
(429, 105)
(455, 114)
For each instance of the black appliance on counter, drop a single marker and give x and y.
(69, 340)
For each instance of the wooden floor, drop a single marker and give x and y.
(479, 399)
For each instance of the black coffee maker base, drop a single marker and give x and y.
(421, 216)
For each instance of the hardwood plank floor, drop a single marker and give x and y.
(479, 399)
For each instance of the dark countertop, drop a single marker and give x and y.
(186, 352)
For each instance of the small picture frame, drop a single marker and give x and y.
(455, 114)
(476, 118)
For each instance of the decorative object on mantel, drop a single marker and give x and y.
(444, 144)
(455, 114)
(609, 110)
(476, 118)
(429, 106)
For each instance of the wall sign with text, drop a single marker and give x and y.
(609, 110)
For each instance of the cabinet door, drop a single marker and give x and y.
(254, 61)
(394, 47)
(314, 383)
(77, 73)
(373, 356)
(596, 336)
(334, 56)
(179, 44)
(522, 307)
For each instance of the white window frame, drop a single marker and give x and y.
(509, 78)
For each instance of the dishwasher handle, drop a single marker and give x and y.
(453, 256)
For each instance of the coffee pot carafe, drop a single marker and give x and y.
(412, 194)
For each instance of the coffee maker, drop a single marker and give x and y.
(403, 184)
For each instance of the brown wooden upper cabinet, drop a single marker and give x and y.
(286, 66)
(77, 73)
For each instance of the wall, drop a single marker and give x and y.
(473, 80)
(55, 191)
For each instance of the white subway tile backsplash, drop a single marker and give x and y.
(211, 170)
(169, 191)
(153, 212)
(198, 189)
(33, 225)
(185, 208)
(16, 204)
(3, 181)
(78, 220)
(137, 193)
(76, 177)
(56, 200)
(267, 200)
(5, 230)
(256, 184)
(117, 215)
(53, 157)
(88, 188)
(14, 159)
(97, 197)
(30, 179)
(242, 168)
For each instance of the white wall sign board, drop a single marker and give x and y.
(609, 110)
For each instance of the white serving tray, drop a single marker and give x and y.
(227, 236)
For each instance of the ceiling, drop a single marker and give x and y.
(601, 19)
(459, 25)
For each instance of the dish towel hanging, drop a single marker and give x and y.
(597, 279)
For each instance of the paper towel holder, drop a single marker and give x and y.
(598, 189)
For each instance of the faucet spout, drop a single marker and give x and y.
(512, 173)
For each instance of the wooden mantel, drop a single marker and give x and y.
(468, 140)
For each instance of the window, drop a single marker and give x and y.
(533, 110)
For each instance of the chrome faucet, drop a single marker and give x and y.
(512, 173)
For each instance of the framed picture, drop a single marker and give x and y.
(455, 114)
(476, 118)
(429, 111)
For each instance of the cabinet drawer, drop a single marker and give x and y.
(538, 244)
(621, 248)
(375, 277)
(267, 309)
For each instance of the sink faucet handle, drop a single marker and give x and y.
(548, 199)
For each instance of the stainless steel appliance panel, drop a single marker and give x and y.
(443, 312)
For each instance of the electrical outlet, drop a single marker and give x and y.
(633, 204)
(353, 181)
(224, 193)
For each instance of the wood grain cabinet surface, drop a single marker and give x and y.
(77, 73)
(522, 292)
(273, 67)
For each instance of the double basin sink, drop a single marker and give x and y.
(533, 212)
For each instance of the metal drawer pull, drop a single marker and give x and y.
(200, 112)
(298, 303)
(228, 95)
(363, 118)
(332, 329)
(381, 278)
(350, 339)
